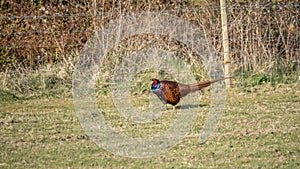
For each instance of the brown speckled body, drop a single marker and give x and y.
(168, 92)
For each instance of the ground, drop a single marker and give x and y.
(260, 129)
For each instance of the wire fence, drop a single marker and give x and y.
(264, 38)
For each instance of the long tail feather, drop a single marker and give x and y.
(201, 85)
(186, 89)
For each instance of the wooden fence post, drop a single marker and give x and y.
(225, 43)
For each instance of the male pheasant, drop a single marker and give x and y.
(170, 92)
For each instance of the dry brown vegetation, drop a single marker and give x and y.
(48, 35)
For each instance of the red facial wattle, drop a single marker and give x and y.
(154, 82)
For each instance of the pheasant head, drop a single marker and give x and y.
(155, 84)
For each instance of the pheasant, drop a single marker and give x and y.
(170, 92)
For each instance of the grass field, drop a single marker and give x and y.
(260, 129)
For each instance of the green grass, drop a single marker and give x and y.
(260, 129)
